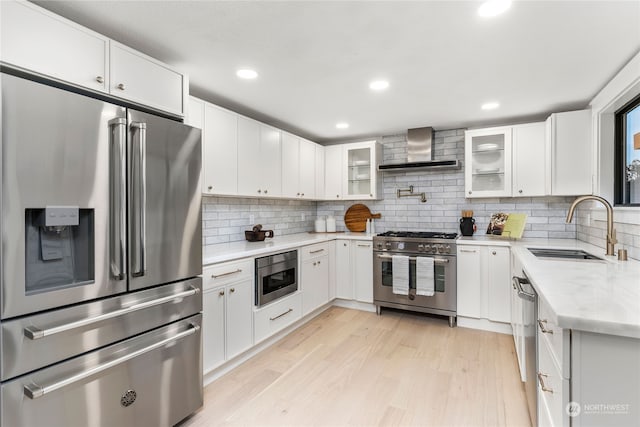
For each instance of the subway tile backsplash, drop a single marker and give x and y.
(226, 218)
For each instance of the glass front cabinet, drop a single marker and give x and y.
(487, 154)
(362, 180)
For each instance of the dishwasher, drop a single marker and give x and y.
(529, 298)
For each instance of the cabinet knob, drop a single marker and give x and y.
(493, 252)
(337, 196)
(265, 191)
(314, 264)
(210, 187)
(221, 293)
(259, 190)
(520, 191)
(345, 244)
(302, 194)
(370, 195)
(100, 79)
(120, 86)
(232, 290)
(469, 192)
(297, 194)
(318, 262)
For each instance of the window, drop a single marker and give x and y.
(627, 179)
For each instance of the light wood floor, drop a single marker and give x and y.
(349, 367)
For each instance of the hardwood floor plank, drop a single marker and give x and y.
(349, 367)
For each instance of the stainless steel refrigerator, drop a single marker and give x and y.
(100, 297)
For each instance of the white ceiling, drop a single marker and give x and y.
(315, 59)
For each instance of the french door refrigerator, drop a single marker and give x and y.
(100, 297)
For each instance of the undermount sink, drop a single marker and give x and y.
(573, 254)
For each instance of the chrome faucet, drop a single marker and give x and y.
(611, 232)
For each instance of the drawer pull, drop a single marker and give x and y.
(317, 251)
(473, 251)
(280, 315)
(34, 391)
(541, 324)
(215, 276)
(364, 246)
(541, 381)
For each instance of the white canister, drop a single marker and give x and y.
(331, 224)
(320, 225)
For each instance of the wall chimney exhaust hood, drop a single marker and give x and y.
(420, 154)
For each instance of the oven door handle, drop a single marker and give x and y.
(34, 333)
(413, 258)
(33, 391)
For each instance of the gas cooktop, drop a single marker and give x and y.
(419, 234)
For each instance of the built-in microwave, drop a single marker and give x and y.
(276, 276)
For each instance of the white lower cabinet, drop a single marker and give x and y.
(227, 316)
(276, 316)
(344, 285)
(362, 269)
(314, 277)
(484, 280)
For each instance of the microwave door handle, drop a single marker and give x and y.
(117, 197)
(139, 191)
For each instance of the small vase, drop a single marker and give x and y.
(467, 226)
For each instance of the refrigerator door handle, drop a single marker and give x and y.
(117, 197)
(34, 391)
(139, 197)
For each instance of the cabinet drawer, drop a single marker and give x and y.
(314, 251)
(276, 316)
(557, 338)
(227, 272)
(553, 390)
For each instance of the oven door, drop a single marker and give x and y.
(444, 298)
(275, 281)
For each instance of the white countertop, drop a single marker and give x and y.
(593, 296)
(235, 250)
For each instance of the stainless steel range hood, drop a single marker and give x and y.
(420, 153)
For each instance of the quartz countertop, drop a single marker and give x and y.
(235, 250)
(587, 295)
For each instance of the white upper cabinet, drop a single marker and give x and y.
(220, 151)
(42, 42)
(290, 165)
(361, 180)
(143, 80)
(320, 171)
(487, 154)
(195, 113)
(570, 146)
(249, 157)
(333, 172)
(270, 161)
(38, 41)
(529, 153)
(307, 169)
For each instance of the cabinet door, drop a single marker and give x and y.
(290, 165)
(332, 270)
(498, 284)
(320, 171)
(195, 113)
(571, 153)
(315, 284)
(39, 41)
(270, 161)
(529, 160)
(141, 79)
(307, 177)
(249, 157)
(469, 282)
(360, 171)
(487, 154)
(362, 267)
(220, 151)
(333, 168)
(344, 284)
(239, 317)
(212, 328)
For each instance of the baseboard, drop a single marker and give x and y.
(485, 325)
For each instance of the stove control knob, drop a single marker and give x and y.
(400, 245)
(379, 245)
(388, 244)
(447, 249)
(420, 247)
(439, 249)
(432, 249)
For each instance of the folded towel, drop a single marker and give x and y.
(424, 276)
(400, 274)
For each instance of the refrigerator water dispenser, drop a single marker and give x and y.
(59, 248)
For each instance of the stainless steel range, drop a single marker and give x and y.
(415, 250)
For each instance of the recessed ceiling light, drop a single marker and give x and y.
(493, 7)
(378, 85)
(490, 106)
(246, 73)
(342, 125)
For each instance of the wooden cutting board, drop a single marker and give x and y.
(356, 217)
